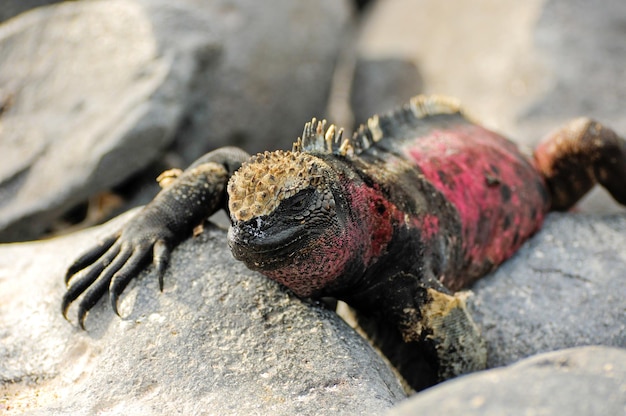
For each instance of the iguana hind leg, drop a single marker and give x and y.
(435, 343)
(460, 347)
(579, 155)
(425, 330)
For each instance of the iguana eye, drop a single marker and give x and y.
(299, 201)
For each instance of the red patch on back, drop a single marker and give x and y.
(495, 190)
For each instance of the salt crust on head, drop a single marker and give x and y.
(262, 183)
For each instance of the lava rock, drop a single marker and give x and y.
(564, 288)
(220, 339)
(579, 381)
(224, 338)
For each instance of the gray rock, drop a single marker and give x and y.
(273, 76)
(580, 381)
(380, 85)
(583, 48)
(564, 288)
(11, 8)
(226, 339)
(89, 97)
(220, 340)
(131, 76)
(509, 60)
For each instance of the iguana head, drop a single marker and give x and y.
(287, 221)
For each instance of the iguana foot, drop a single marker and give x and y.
(111, 265)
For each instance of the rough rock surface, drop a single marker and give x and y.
(219, 340)
(130, 76)
(223, 338)
(585, 381)
(564, 288)
(103, 108)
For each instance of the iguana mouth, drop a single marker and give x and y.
(261, 249)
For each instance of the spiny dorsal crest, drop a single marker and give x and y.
(317, 138)
(423, 106)
(262, 183)
(418, 108)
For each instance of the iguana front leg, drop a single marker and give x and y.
(186, 200)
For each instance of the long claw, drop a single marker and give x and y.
(161, 260)
(82, 315)
(124, 275)
(89, 257)
(93, 295)
(81, 284)
(97, 290)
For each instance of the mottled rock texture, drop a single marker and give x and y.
(219, 340)
(585, 381)
(223, 338)
(564, 288)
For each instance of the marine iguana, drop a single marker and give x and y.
(416, 205)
